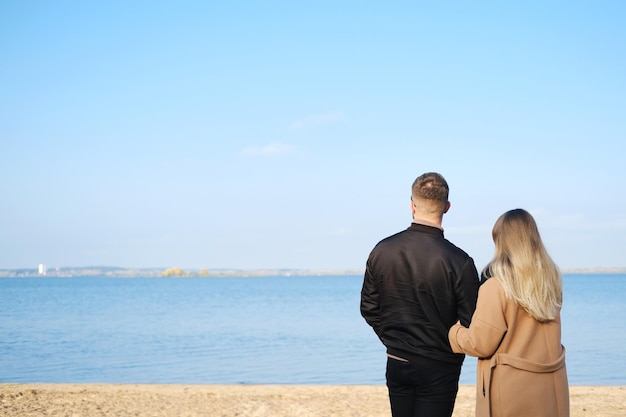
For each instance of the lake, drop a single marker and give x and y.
(247, 330)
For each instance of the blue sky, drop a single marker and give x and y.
(287, 134)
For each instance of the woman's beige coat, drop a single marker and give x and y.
(521, 362)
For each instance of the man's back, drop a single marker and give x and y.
(417, 285)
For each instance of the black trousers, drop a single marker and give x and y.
(416, 391)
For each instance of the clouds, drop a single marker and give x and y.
(281, 148)
(271, 149)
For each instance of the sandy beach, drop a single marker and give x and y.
(91, 400)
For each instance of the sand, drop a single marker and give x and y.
(92, 400)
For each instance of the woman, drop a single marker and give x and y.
(516, 329)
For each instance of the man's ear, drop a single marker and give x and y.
(445, 210)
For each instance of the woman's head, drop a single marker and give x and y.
(522, 264)
(516, 237)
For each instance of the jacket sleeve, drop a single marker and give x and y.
(370, 300)
(488, 325)
(466, 292)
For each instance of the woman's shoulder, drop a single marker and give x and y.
(492, 285)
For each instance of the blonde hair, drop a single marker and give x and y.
(522, 264)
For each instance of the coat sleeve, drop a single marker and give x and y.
(370, 300)
(488, 326)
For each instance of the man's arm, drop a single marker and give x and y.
(466, 292)
(370, 300)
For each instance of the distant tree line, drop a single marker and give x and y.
(180, 272)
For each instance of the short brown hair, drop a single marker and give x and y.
(431, 186)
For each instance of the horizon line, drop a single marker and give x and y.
(242, 271)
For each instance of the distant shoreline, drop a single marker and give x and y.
(120, 272)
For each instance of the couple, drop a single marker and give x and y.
(421, 296)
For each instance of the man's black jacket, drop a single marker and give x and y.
(417, 284)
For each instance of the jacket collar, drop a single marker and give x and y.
(427, 227)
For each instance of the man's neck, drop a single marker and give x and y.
(427, 222)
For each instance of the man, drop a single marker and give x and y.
(416, 286)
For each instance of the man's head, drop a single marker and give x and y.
(429, 196)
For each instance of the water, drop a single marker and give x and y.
(269, 330)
